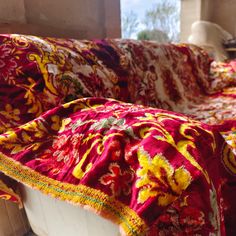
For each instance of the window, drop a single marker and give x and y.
(151, 20)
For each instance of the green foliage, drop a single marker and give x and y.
(164, 16)
(156, 35)
(161, 22)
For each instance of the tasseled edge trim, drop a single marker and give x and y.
(130, 223)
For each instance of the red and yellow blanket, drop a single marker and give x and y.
(152, 171)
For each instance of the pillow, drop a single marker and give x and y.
(211, 36)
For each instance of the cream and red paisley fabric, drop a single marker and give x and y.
(222, 75)
(152, 171)
(45, 72)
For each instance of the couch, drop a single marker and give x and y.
(140, 133)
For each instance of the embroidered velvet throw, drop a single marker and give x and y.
(129, 129)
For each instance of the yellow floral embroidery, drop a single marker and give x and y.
(182, 145)
(64, 123)
(56, 122)
(8, 192)
(16, 143)
(11, 113)
(33, 100)
(229, 159)
(230, 138)
(157, 178)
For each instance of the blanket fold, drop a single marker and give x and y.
(150, 170)
(127, 162)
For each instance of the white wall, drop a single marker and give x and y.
(190, 12)
(71, 18)
(221, 12)
(12, 11)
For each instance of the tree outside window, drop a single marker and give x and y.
(160, 22)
